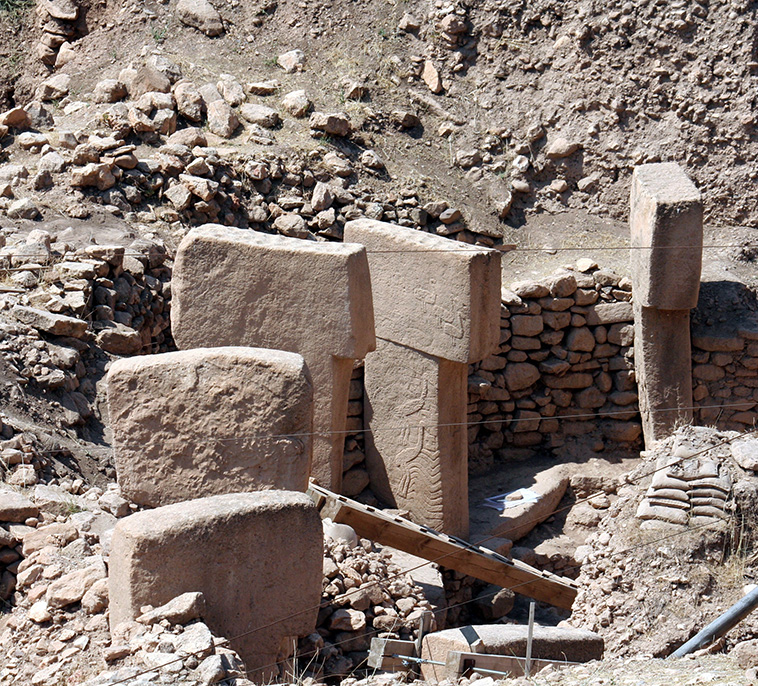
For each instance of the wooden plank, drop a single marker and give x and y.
(449, 551)
(460, 664)
(382, 649)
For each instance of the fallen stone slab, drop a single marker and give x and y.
(549, 643)
(208, 421)
(255, 557)
(180, 610)
(517, 521)
(56, 324)
(71, 587)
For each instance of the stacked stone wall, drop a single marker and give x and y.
(725, 378)
(563, 377)
(564, 371)
(354, 473)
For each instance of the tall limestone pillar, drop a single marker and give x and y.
(666, 258)
(437, 309)
(235, 287)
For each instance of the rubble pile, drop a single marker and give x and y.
(666, 559)
(58, 579)
(147, 159)
(122, 292)
(55, 545)
(365, 596)
(66, 311)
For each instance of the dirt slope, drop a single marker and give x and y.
(635, 83)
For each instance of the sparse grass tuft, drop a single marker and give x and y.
(740, 551)
(160, 33)
(13, 11)
(72, 507)
(13, 6)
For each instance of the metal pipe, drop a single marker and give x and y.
(529, 636)
(718, 627)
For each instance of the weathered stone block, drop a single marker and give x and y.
(241, 287)
(527, 325)
(209, 421)
(430, 293)
(14, 506)
(703, 341)
(549, 643)
(610, 313)
(255, 557)
(667, 230)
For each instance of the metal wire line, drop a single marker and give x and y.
(748, 404)
(484, 540)
(460, 246)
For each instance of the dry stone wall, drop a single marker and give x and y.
(725, 378)
(124, 293)
(355, 476)
(564, 371)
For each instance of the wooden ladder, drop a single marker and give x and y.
(449, 551)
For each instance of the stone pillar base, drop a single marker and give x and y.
(662, 360)
(416, 449)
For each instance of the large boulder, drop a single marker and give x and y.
(200, 14)
(256, 558)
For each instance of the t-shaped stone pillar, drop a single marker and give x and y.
(241, 287)
(437, 307)
(666, 258)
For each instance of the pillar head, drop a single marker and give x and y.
(666, 221)
(432, 294)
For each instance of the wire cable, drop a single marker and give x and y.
(745, 404)
(459, 247)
